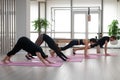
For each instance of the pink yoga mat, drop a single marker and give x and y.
(57, 59)
(110, 54)
(90, 56)
(28, 63)
(73, 58)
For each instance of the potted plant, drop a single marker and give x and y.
(114, 30)
(40, 24)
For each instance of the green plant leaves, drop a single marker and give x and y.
(40, 23)
(114, 30)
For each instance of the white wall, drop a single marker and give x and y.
(86, 3)
(118, 12)
(109, 13)
(22, 18)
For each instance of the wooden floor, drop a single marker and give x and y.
(103, 68)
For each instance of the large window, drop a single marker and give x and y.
(33, 16)
(59, 15)
(84, 28)
(61, 23)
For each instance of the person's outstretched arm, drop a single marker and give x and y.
(86, 47)
(40, 57)
(105, 48)
(49, 61)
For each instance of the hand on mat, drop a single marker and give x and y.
(86, 56)
(47, 64)
(52, 62)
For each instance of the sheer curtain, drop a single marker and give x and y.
(7, 25)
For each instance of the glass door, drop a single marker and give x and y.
(79, 25)
(82, 28)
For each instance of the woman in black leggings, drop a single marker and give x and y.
(103, 41)
(73, 42)
(27, 45)
(77, 42)
(51, 44)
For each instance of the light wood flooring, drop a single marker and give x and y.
(103, 68)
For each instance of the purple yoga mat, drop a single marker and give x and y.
(90, 56)
(110, 54)
(28, 63)
(57, 59)
(94, 56)
(73, 58)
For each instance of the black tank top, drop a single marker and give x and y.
(102, 40)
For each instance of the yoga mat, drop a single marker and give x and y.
(90, 56)
(28, 63)
(99, 54)
(110, 54)
(57, 59)
(75, 58)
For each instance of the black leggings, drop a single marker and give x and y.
(27, 45)
(72, 43)
(54, 46)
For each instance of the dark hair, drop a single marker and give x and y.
(93, 40)
(113, 37)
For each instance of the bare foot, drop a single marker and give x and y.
(4, 61)
(10, 61)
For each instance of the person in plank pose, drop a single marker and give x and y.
(73, 42)
(103, 41)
